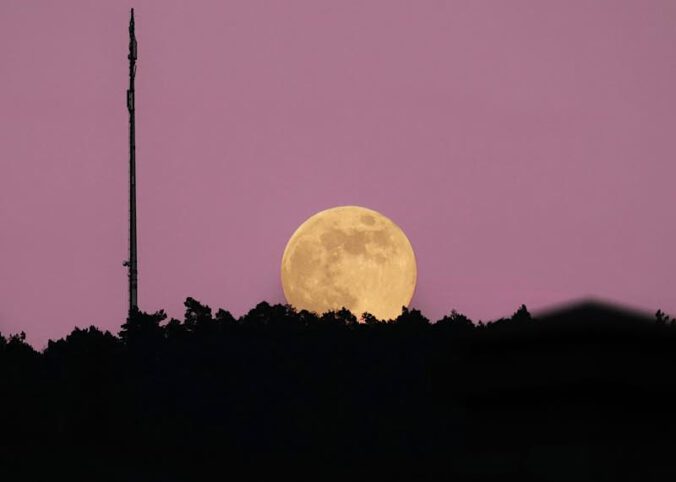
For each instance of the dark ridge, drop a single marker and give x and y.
(583, 393)
(593, 311)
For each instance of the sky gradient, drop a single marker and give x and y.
(526, 148)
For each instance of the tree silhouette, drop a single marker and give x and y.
(308, 319)
(662, 318)
(143, 330)
(455, 322)
(411, 318)
(257, 317)
(198, 317)
(521, 315)
(370, 319)
(225, 319)
(346, 317)
(279, 383)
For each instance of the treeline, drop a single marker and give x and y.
(517, 397)
(148, 329)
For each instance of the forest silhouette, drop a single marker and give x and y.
(582, 393)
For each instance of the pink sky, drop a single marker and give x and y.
(527, 149)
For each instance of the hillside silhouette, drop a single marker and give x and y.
(586, 393)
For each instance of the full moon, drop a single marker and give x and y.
(351, 257)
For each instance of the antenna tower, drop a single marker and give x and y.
(131, 263)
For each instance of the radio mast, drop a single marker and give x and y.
(131, 263)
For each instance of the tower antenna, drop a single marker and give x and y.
(131, 263)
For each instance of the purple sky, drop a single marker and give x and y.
(527, 149)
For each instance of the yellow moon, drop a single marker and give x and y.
(351, 257)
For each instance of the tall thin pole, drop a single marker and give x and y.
(132, 262)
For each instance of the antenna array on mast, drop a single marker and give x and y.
(131, 263)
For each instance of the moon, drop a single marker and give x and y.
(352, 257)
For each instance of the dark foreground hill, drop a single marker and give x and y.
(582, 394)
